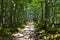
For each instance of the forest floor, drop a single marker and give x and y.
(27, 33)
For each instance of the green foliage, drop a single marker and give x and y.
(14, 13)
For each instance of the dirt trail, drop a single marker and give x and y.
(28, 33)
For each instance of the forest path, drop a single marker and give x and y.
(28, 33)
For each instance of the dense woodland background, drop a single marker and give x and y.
(15, 13)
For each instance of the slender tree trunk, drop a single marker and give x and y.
(11, 12)
(2, 11)
(47, 13)
(0, 14)
(15, 21)
(42, 10)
